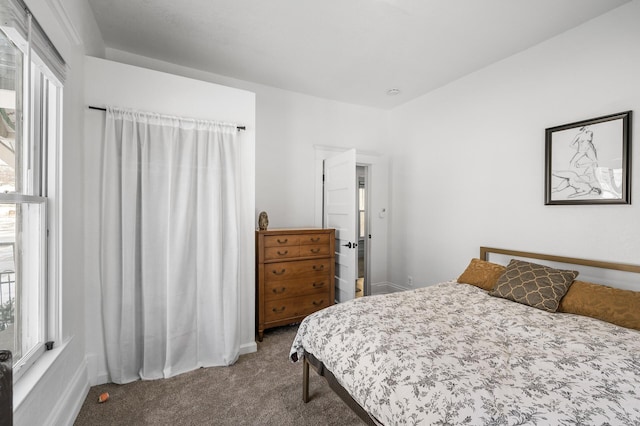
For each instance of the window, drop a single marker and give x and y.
(30, 104)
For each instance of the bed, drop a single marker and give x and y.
(453, 353)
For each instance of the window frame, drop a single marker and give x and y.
(41, 130)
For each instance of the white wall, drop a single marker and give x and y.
(52, 391)
(469, 159)
(289, 128)
(116, 84)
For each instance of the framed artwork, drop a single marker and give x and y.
(589, 162)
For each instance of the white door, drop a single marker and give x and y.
(340, 213)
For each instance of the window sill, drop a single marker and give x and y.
(29, 380)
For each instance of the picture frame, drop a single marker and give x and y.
(589, 161)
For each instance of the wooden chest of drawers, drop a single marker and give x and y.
(294, 275)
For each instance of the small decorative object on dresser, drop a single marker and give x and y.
(263, 221)
(294, 275)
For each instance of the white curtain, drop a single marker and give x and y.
(169, 244)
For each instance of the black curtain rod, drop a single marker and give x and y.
(104, 109)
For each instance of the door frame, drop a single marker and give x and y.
(378, 181)
(366, 288)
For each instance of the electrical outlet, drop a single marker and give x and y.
(410, 280)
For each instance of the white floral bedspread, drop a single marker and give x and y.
(451, 354)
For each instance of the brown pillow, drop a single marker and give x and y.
(535, 285)
(482, 274)
(620, 307)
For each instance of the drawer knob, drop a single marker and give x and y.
(283, 241)
(278, 310)
(315, 240)
(317, 285)
(315, 250)
(279, 273)
(318, 268)
(279, 290)
(284, 253)
(316, 303)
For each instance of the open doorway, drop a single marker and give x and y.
(363, 229)
(374, 250)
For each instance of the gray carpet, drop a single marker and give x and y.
(262, 388)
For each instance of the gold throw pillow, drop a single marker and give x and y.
(620, 307)
(482, 274)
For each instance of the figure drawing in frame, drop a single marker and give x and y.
(588, 161)
(580, 177)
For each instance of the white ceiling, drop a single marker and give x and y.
(347, 50)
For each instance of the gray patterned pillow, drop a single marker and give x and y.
(535, 285)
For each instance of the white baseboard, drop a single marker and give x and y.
(386, 287)
(70, 403)
(248, 348)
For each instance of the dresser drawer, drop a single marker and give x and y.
(281, 240)
(315, 239)
(298, 269)
(276, 310)
(299, 287)
(314, 250)
(286, 252)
